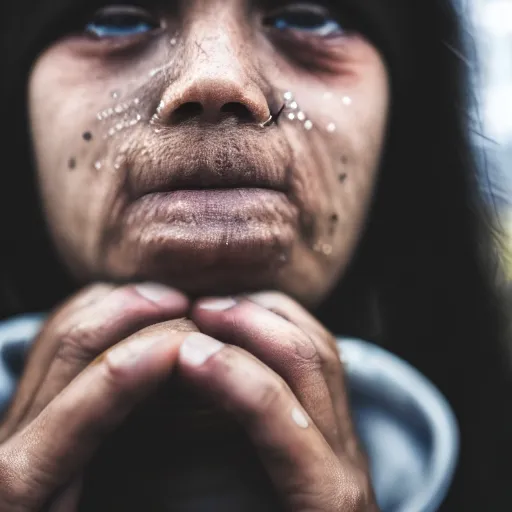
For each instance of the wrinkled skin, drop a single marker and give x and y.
(176, 156)
(226, 73)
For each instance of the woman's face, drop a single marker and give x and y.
(157, 160)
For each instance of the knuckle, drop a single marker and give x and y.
(271, 392)
(76, 344)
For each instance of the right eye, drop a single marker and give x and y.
(121, 21)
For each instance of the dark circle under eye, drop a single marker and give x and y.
(304, 18)
(121, 21)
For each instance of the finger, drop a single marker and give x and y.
(35, 462)
(92, 330)
(42, 353)
(282, 346)
(327, 349)
(303, 468)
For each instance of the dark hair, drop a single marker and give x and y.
(425, 280)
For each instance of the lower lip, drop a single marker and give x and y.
(214, 222)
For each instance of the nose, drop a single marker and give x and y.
(216, 77)
(212, 99)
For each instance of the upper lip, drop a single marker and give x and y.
(204, 166)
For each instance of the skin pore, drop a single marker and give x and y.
(153, 162)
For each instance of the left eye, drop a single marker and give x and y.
(121, 20)
(306, 18)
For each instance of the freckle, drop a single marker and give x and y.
(87, 136)
(299, 418)
(334, 218)
(342, 177)
(346, 100)
(331, 127)
(344, 160)
(72, 163)
(308, 125)
(97, 165)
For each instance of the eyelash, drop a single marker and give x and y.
(126, 21)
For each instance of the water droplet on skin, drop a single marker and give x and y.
(301, 116)
(288, 96)
(99, 116)
(115, 95)
(308, 125)
(97, 165)
(327, 249)
(160, 107)
(87, 136)
(331, 127)
(119, 126)
(291, 116)
(112, 132)
(346, 100)
(174, 41)
(118, 109)
(136, 101)
(283, 258)
(293, 105)
(139, 117)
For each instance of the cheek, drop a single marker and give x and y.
(70, 149)
(339, 134)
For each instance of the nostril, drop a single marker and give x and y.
(187, 111)
(238, 110)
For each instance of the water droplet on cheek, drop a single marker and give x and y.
(115, 95)
(308, 125)
(331, 127)
(346, 100)
(97, 165)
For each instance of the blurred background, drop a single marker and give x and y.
(492, 34)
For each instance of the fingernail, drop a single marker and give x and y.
(155, 292)
(217, 304)
(198, 348)
(129, 353)
(299, 418)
